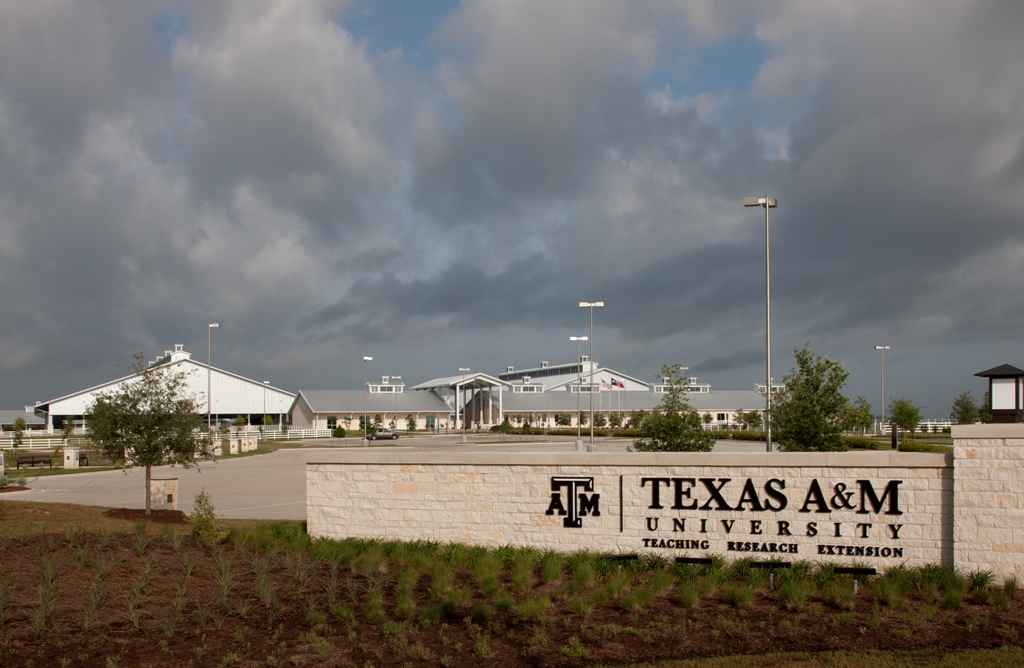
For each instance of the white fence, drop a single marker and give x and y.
(35, 443)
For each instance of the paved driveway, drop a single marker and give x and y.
(271, 486)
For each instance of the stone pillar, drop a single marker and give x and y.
(163, 493)
(70, 458)
(988, 498)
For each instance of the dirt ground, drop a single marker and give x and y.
(114, 593)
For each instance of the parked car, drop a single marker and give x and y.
(382, 433)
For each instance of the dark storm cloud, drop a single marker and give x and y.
(261, 168)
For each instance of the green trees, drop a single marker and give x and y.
(410, 422)
(615, 421)
(600, 420)
(859, 415)
(964, 410)
(674, 426)
(148, 421)
(563, 420)
(239, 423)
(904, 414)
(809, 413)
(751, 419)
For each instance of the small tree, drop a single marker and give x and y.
(562, 420)
(964, 410)
(599, 420)
(859, 415)
(505, 427)
(583, 417)
(239, 423)
(378, 421)
(223, 430)
(751, 420)
(267, 420)
(809, 413)
(67, 429)
(674, 426)
(615, 420)
(19, 432)
(150, 420)
(706, 419)
(410, 422)
(984, 410)
(904, 414)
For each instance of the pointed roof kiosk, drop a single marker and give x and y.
(1004, 392)
(477, 395)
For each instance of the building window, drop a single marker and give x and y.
(721, 417)
(430, 421)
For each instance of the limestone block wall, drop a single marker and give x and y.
(877, 508)
(988, 519)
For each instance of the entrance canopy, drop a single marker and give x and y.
(472, 396)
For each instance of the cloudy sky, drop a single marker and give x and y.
(438, 184)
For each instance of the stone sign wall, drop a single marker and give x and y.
(988, 487)
(878, 508)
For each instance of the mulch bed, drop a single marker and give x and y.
(13, 488)
(187, 619)
(155, 516)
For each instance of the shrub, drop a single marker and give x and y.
(979, 579)
(919, 446)
(203, 519)
(862, 443)
(688, 596)
(11, 481)
(338, 432)
(739, 597)
(1010, 586)
(792, 595)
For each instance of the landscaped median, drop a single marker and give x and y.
(78, 587)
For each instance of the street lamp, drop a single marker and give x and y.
(365, 360)
(457, 400)
(767, 203)
(591, 305)
(264, 418)
(209, 373)
(579, 380)
(395, 392)
(882, 349)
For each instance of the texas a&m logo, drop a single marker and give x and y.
(579, 504)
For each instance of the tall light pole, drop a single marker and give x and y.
(365, 360)
(209, 373)
(264, 418)
(767, 203)
(457, 400)
(591, 305)
(882, 349)
(395, 392)
(579, 381)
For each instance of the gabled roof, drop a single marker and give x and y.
(470, 380)
(597, 370)
(351, 401)
(1001, 371)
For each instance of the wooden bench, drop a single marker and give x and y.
(32, 460)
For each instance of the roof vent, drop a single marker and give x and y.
(543, 365)
(178, 347)
(509, 369)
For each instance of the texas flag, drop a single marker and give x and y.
(616, 383)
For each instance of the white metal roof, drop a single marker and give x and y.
(232, 394)
(470, 380)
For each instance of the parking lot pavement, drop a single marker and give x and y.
(273, 486)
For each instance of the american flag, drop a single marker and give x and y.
(604, 384)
